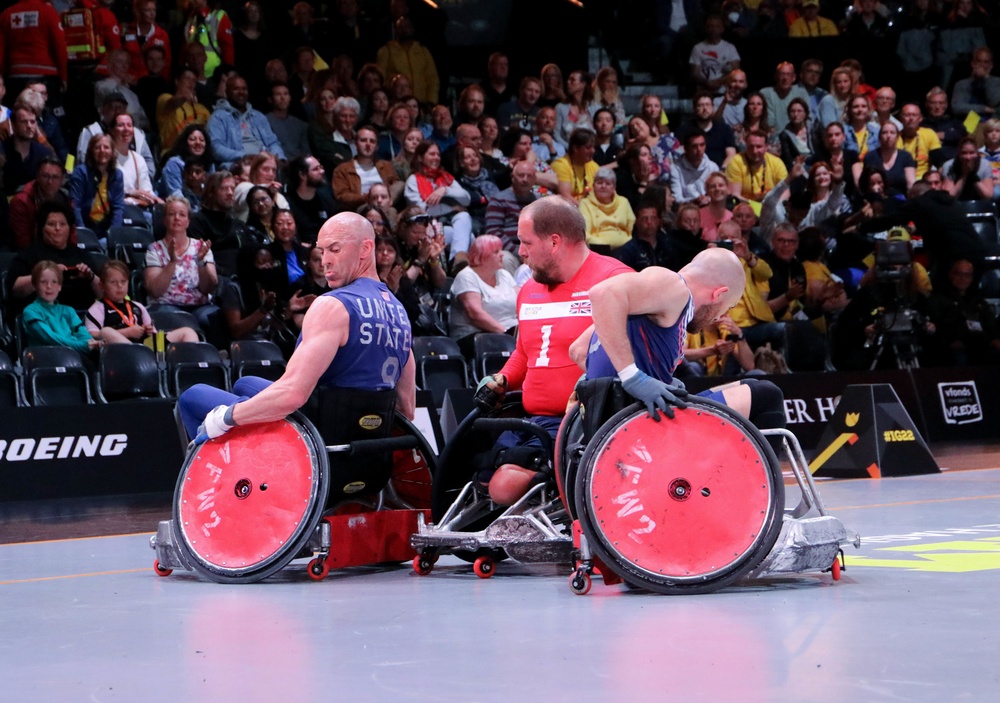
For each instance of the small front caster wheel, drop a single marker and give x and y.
(423, 565)
(580, 583)
(160, 570)
(318, 569)
(484, 567)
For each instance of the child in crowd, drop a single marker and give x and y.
(115, 319)
(48, 323)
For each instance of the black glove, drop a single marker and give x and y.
(490, 392)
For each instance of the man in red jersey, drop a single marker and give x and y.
(553, 309)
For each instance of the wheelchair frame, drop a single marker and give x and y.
(358, 532)
(539, 528)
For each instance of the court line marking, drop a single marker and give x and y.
(75, 539)
(909, 502)
(72, 576)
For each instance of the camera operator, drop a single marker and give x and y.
(885, 325)
(947, 233)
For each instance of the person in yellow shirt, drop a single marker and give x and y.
(608, 215)
(919, 141)
(752, 313)
(405, 55)
(576, 170)
(719, 349)
(755, 172)
(810, 24)
(177, 111)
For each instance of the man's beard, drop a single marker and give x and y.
(545, 277)
(702, 317)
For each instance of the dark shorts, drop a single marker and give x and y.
(512, 438)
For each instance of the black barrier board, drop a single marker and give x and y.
(811, 398)
(871, 435)
(960, 403)
(92, 450)
(457, 404)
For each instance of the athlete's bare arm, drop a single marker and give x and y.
(655, 291)
(325, 330)
(578, 350)
(406, 389)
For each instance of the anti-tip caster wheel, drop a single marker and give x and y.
(423, 565)
(835, 569)
(580, 583)
(160, 570)
(484, 567)
(318, 569)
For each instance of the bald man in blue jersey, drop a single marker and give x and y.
(355, 336)
(640, 325)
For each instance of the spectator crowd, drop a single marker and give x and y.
(232, 132)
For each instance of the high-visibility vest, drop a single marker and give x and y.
(206, 32)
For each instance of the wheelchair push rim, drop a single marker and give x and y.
(247, 503)
(680, 506)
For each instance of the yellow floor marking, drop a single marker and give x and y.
(952, 557)
(909, 502)
(75, 539)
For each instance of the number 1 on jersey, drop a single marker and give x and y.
(543, 353)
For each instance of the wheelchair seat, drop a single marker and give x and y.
(346, 415)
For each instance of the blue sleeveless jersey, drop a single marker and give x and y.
(379, 343)
(657, 350)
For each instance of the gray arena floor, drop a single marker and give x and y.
(915, 617)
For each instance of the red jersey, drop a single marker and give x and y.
(31, 41)
(130, 42)
(549, 321)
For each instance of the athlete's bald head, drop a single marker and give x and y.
(349, 226)
(347, 241)
(716, 280)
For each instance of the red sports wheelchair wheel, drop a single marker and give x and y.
(247, 502)
(680, 506)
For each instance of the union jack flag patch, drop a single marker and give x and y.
(580, 308)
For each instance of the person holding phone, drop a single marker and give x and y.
(718, 349)
(752, 312)
(422, 245)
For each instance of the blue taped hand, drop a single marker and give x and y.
(655, 394)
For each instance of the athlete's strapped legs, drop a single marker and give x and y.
(195, 403)
(518, 458)
(759, 401)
